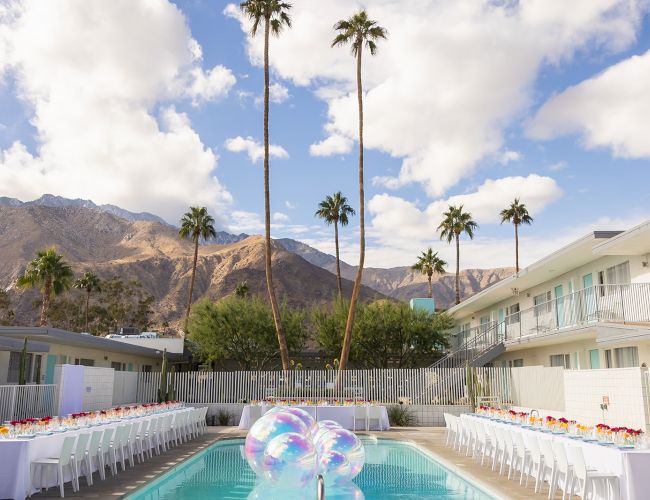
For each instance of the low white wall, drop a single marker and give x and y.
(125, 388)
(172, 345)
(538, 387)
(98, 388)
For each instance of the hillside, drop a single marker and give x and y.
(153, 254)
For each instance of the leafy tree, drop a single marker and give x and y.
(49, 272)
(89, 282)
(67, 313)
(455, 222)
(358, 32)
(335, 210)
(274, 16)
(386, 334)
(242, 330)
(196, 224)
(429, 263)
(517, 213)
(6, 312)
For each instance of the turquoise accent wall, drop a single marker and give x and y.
(427, 305)
(49, 369)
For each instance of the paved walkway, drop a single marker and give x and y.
(429, 438)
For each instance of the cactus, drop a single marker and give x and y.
(23, 365)
(162, 390)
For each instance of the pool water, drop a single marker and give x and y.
(393, 469)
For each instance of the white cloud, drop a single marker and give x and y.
(247, 222)
(279, 217)
(609, 110)
(509, 156)
(289, 205)
(278, 93)
(440, 116)
(91, 73)
(253, 148)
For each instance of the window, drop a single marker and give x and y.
(542, 304)
(513, 314)
(626, 357)
(146, 368)
(14, 367)
(516, 363)
(84, 362)
(608, 359)
(63, 359)
(563, 360)
(116, 366)
(619, 274)
(485, 323)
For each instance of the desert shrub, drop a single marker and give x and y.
(400, 416)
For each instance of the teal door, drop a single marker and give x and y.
(502, 324)
(594, 358)
(589, 297)
(49, 369)
(559, 306)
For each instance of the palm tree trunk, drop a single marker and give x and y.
(87, 303)
(282, 342)
(457, 269)
(45, 306)
(516, 248)
(189, 298)
(338, 263)
(347, 338)
(430, 285)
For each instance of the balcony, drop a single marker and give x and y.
(627, 304)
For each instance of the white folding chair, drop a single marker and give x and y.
(132, 443)
(587, 480)
(81, 458)
(93, 454)
(359, 413)
(59, 464)
(144, 450)
(562, 471)
(546, 473)
(520, 455)
(534, 466)
(107, 451)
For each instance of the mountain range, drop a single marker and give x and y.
(113, 241)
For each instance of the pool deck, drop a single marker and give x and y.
(431, 439)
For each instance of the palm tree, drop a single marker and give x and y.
(51, 274)
(335, 210)
(358, 32)
(517, 213)
(456, 222)
(90, 283)
(195, 224)
(429, 263)
(274, 15)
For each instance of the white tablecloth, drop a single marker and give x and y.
(344, 415)
(631, 466)
(16, 456)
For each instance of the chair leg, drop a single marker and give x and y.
(59, 474)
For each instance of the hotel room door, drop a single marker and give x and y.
(589, 296)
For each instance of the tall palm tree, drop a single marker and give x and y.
(454, 223)
(89, 282)
(517, 213)
(429, 263)
(196, 224)
(358, 32)
(335, 210)
(51, 274)
(274, 16)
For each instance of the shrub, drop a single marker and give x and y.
(223, 417)
(400, 416)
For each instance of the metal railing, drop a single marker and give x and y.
(472, 344)
(23, 401)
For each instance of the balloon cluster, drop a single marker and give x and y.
(289, 448)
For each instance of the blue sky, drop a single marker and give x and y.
(465, 103)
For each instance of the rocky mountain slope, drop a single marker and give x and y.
(152, 253)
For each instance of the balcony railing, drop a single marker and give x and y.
(623, 304)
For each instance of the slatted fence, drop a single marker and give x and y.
(425, 386)
(23, 401)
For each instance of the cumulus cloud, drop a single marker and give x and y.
(278, 93)
(451, 76)
(279, 217)
(509, 156)
(609, 110)
(97, 78)
(253, 148)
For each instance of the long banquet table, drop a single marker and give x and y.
(16, 456)
(631, 466)
(343, 414)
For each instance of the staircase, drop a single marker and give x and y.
(478, 350)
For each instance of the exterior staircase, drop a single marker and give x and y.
(478, 350)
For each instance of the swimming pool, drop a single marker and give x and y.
(393, 469)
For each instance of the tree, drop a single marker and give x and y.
(429, 263)
(517, 213)
(274, 15)
(335, 210)
(51, 274)
(242, 330)
(90, 283)
(195, 224)
(358, 32)
(6, 312)
(386, 334)
(454, 223)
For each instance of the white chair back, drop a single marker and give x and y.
(106, 439)
(577, 460)
(82, 446)
(559, 452)
(66, 450)
(95, 442)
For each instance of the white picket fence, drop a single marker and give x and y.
(426, 386)
(24, 401)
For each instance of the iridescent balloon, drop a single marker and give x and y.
(324, 424)
(303, 415)
(334, 467)
(264, 430)
(346, 443)
(290, 460)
